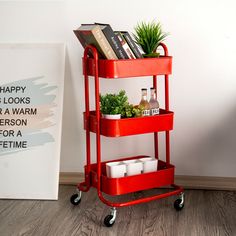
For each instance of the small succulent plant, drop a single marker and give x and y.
(131, 111)
(148, 36)
(113, 104)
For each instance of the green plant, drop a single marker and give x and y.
(148, 36)
(131, 111)
(113, 104)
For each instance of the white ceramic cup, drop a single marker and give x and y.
(133, 167)
(149, 164)
(115, 169)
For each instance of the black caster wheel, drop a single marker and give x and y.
(75, 199)
(108, 222)
(178, 204)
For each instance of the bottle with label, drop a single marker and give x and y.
(154, 104)
(144, 104)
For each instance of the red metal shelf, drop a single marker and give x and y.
(116, 186)
(132, 126)
(111, 69)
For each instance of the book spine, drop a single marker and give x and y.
(132, 44)
(114, 42)
(125, 45)
(104, 44)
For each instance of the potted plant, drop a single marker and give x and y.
(113, 105)
(116, 106)
(148, 36)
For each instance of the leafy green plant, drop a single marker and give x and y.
(131, 111)
(113, 104)
(137, 111)
(148, 36)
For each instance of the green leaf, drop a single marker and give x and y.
(113, 103)
(149, 35)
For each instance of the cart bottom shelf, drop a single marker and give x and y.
(116, 186)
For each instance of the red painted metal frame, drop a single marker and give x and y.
(131, 126)
(120, 69)
(112, 69)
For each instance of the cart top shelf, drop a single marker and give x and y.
(111, 69)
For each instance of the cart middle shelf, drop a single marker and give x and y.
(131, 126)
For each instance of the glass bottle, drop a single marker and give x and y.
(144, 104)
(154, 104)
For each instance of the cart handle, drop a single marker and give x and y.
(164, 48)
(93, 50)
(97, 108)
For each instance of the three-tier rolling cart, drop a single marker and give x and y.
(95, 173)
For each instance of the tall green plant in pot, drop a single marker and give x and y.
(148, 36)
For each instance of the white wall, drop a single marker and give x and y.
(203, 85)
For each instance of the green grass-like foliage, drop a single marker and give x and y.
(148, 36)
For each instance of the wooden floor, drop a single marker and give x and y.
(205, 213)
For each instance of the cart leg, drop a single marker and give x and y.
(110, 219)
(179, 203)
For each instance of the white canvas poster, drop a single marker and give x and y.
(31, 102)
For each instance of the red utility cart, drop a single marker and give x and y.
(95, 174)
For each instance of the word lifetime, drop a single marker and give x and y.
(12, 89)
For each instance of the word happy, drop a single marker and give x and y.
(12, 89)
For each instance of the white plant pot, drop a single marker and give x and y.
(111, 117)
(133, 167)
(149, 164)
(115, 169)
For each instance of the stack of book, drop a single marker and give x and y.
(110, 44)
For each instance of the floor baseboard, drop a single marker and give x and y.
(206, 182)
(71, 178)
(188, 182)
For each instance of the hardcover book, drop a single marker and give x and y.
(125, 45)
(92, 34)
(113, 40)
(131, 44)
